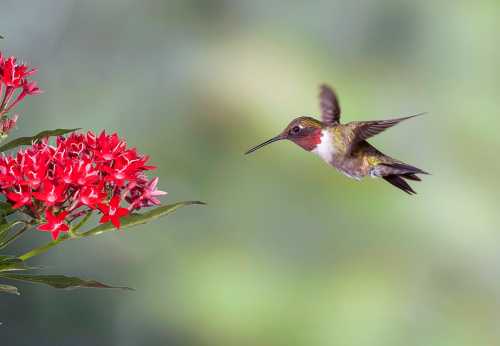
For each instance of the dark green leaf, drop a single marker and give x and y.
(6, 209)
(29, 140)
(137, 219)
(6, 258)
(59, 281)
(5, 227)
(8, 263)
(6, 239)
(9, 289)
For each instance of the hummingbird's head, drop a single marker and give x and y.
(303, 131)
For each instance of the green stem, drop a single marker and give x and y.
(129, 221)
(82, 222)
(42, 249)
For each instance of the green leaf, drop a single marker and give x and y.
(5, 239)
(137, 219)
(8, 263)
(9, 289)
(6, 209)
(5, 227)
(8, 259)
(29, 140)
(59, 281)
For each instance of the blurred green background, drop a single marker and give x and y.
(288, 251)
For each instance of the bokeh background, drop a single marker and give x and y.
(288, 251)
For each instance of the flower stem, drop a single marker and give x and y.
(42, 249)
(82, 222)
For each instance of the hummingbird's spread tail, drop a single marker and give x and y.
(396, 173)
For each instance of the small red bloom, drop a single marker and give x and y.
(14, 80)
(51, 194)
(150, 192)
(112, 211)
(13, 75)
(145, 195)
(55, 223)
(120, 172)
(85, 173)
(21, 197)
(31, 88)
(6, 125)
(10, 172)
(110, 146)
(91, 196)
(34, 174)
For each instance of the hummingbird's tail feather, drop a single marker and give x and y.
(395, 173)
(400, 183)
(401, 168)
(410, 176)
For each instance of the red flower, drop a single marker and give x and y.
(10, 172)
(31, 88)
(21, 197)
(34, 173)
(110, 146)
(112, 211)
(79, 172)
(145, 195)
(85, 173)
(90, 196)
(6, 125)
(150, 192)
(76, 175)
(51, 194)
(55, 223)
(14, 77)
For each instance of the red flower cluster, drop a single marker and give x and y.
(14, 87)
(83, 172)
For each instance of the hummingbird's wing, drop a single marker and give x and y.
(330, 109)
(362, 130)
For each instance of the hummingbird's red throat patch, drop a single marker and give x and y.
(311, 141)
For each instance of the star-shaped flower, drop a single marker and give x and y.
(52, 194)
(149, 193)
(112, 211)
(20, 197)
(55, 224)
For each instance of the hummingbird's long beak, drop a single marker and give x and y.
(274, 139)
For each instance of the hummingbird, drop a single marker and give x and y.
(345, 146)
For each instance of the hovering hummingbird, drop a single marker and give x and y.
(344, 146)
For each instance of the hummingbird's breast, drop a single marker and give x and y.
(332, 149)
(326, 148)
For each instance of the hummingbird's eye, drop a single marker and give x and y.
(295, 130)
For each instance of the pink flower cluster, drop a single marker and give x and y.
(81, 173)
(14, 87)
